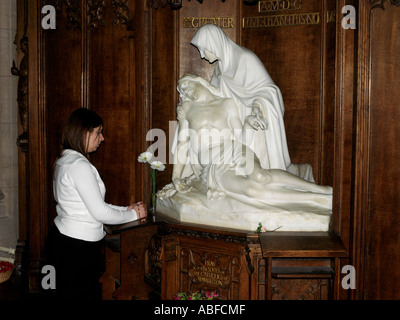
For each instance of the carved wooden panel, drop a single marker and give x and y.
(95, 9)
(204, 260)
(377, 171)
(110, 91)
(300, 289)
(201, 269)
(296, 42)
(134, 245)
(89, 62)
(62, 86)
(258, 277)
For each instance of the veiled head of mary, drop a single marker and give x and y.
(213, 39)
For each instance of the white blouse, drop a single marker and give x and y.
(79, 193)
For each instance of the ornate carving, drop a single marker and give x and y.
(74, 14)
(248, 259)
(55, 3)
(121, 15)
(22, 95)
(154, 263)
(174, 4)
(169, 248)
(73, 10)
(95, 13)
(300, 289)
(121, 12)
(205, 270)
(204, 234)
(380, 3)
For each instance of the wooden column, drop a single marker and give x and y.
(376, 183)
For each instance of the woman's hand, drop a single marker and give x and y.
(140, 209)
(257, 122)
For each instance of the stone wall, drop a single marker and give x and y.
(8, 126)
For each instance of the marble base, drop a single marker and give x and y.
(230, 213)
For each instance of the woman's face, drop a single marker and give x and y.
(204, 54)
(94, 139)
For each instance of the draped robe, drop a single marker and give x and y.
(240, 74)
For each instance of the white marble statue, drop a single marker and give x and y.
(239, 74)
(218, 180)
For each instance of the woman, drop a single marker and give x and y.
(240, 74)
(75, 240)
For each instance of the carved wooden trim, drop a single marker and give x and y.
(95, 12)
(204, 234)
(153, 263)
(299, 289)
(121, 12)
(23, 93)
(362, 146)
(55, 3)
(380, 4)
(175, 5)
(74, 14)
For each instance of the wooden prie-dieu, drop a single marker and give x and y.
(182, 257)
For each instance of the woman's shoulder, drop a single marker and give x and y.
(72, 157)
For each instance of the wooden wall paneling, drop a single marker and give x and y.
(36, 156)
(300, 60)
(61, 90)
(163, 95)
(377, 175)
(109, 94)
(327, 99)
(110, 36)
(134, 244)
(345, 101)
(23, 177)
(140, 57)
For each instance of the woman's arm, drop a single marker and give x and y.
(85, 183)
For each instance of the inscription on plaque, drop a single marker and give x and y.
(280, 20)
(284, 19)
(209, 273)
(278, 5)
(197, 22)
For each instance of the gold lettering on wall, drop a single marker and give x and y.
(197, 22)
(209, 273)
(331, 16)
(282, 20)
(278, 5)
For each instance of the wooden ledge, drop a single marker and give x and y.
(301, 245)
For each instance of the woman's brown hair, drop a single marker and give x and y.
(80, 122)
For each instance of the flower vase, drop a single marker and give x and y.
(153, 201)
(153, 205)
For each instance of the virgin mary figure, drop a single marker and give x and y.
(240, 74)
